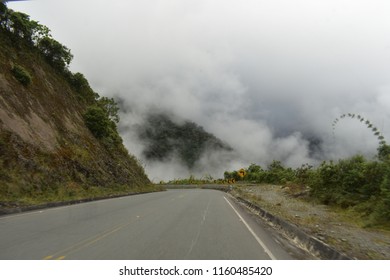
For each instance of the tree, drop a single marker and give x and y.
(3, 15)
(21, 26)
(40, 32)
(384, 152)
(101, 119)
(81, 85)
(111, 107)
(3, 8)
(35, 34)
(98, 122)
(57, 54)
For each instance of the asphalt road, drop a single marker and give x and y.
(175, 224)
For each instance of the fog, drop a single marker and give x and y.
(266, 77)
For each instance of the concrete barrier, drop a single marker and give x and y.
(313, 245)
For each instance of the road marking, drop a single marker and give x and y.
(195, 240)
(266, 250)
(177, 197)
(63, 253)
(87, 242)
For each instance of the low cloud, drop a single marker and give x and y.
(267, 77)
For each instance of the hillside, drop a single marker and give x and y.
(187, 141)
(58, 138)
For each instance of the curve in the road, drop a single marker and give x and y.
(176, 224)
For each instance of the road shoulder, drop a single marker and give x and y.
(341, 238)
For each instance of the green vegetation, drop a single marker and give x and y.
(165, 138)
(81, 86)
(21, 74)
(356, 184)
(192, 180)
(74, 192)
(76, 152)
(86, 163)
(101, 119)
(275, 173)
(101, 115)
(24, 31)
(97, 121)
(56, 54)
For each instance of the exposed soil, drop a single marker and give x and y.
(47, 153)
(338, 229)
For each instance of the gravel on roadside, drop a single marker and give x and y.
(320, 221)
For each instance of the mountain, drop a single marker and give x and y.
(58, 138)
(164, 138)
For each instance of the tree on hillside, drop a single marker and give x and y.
(96, 119)
(101, 119)
(57, 54)
(111, 107)
(81, 85)
(21, 26)
(31, 32)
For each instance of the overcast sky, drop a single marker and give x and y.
(263, 75)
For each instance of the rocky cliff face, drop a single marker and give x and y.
(46, 150)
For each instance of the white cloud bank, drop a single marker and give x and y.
(264, 76)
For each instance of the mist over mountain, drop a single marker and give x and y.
(165, 139)
(268, 78)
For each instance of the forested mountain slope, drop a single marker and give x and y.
(164, 138)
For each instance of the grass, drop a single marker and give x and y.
(37, 167)
(71, 192)
(21, 74)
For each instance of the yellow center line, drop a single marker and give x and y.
(86, 242)
(61, 254)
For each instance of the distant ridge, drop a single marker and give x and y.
(164, 138)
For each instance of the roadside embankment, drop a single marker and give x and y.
(321, 230)
(6, 209)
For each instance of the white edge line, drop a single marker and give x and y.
(266, 250)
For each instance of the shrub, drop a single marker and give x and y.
(97, 121)
(381, 213)
(354, 183)
(21, 74)
(254, 173)
(81, 85)
(384, 152)
(278, 174)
